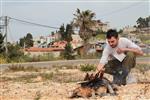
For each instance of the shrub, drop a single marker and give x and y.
(87, 67)
(2, 59)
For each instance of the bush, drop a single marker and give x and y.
(87, 67)
(2, 59)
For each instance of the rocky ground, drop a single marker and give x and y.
(56, 84)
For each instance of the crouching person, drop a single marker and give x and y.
(119, 56)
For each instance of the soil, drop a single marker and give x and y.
(56, 84)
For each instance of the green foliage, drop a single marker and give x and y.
(14, 53)
(100, 37)
(68, 52)
(2, 59)
(62, 32)
(26, 41)
(66, 33)
(22, 42)
(84, 20)
(87, 67)
(120, 31)
(29, 40)
(143, 22)
(147, 42)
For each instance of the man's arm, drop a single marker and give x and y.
(104, 59)
(130, 46)
(134, 50)
(100, 67)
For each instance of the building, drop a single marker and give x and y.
(46, 41)
(129, 29)
(100, 26)
(35, 51)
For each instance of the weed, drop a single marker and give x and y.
(87, 67)
(143, 67)
(47, 76)
(22, 68)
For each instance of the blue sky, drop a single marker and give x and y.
(119, 13)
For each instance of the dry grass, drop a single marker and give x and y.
(22, 68)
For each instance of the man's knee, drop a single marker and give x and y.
(130, 60)
(131, 55)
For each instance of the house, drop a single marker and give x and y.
(145, 30)
(59, 44)
(100, 26)
(129, 29)
(46, 41)
(35, 51)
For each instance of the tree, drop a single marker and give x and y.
(22, 42)
(68, 33)
(26, 41)
(143, 22)
(29, 40)
(84, 21)
(62, 31)
(68, 52)
(2, 49)
(52, 33)
(14, 53)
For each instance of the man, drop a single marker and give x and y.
(118, 57)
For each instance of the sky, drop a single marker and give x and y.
(54, 13)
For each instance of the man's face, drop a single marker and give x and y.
(113, 42)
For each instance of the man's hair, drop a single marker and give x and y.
(111, 33)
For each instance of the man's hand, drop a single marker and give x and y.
(120, 50)
(100, 68)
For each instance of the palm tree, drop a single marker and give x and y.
(84, 21)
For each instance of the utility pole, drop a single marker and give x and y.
(6, 28)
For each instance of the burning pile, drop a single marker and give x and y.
(93, 85)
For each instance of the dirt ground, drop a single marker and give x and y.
(56, 84)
